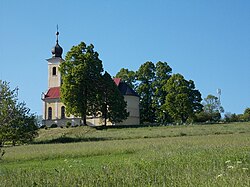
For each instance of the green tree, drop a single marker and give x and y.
(182, 100)
(112, 102)
(7, 106)
(212, 107)
(17, 124)
(146, 76)
(23, 128)
(212, 104)
(162, 74)
(246, 114)
(231, 117)
(81, 77)
(127, 76)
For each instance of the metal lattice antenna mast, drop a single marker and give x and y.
(219, 93)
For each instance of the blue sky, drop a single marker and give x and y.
(207, 41)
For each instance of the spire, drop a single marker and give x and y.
(57, 50)
(57, 33)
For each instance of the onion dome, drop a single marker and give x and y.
(57, 50)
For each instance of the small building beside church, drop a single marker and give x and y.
(54, 111)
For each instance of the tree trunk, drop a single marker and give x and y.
(84, 120)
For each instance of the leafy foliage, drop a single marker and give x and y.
(246, 115)
(182, 100)
(81, 76)
(17, 124)
(112, 101)
(212, 110)
(159, 103)
(146, 76)
(127, 76)
(162, 74)
(212, 104)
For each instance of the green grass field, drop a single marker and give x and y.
(195, 155)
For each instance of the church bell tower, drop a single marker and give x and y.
(53, 108)
(54, 76)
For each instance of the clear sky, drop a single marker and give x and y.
(207, 41)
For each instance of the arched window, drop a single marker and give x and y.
(49, 113)
(54, 71)
(63, 112)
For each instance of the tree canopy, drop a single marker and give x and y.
(127, 76)
(162, 74)
(182, 100)
(146, 76)
(17, 124)
(164, 98)
(81, 77)
(85, 91)
(212, 110)
(112, 102)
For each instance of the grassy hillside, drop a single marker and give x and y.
(211, 155)
(78, 134)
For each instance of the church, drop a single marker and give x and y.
(54, 111)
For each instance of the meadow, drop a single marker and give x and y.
(193, 155)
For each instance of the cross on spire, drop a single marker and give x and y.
(57, 33)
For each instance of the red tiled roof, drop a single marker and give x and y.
(53, 93)
(117, 81)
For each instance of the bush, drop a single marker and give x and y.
(231, 117)
(207, 117)
(68, 124)
(53, 125)
(2, 152)
(42, 127)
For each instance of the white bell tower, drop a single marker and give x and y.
(54, 76)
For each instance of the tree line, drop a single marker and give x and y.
(170, 98)
(164, 97)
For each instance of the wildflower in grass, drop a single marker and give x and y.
(230, 167)
(219, 176)
(228, 161)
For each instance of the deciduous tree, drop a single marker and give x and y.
(112, 102)
(212, 107)
(146, 77)
(127, 76)
(182, 100)
(246, 115)
(81, 76)
(162, 74)
(17, 124)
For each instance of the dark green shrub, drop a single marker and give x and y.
(2, 152)
(68, 124)
(42, 127)
(53, 125)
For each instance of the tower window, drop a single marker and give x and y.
(63, 112)
(49, 113)
(54, 71)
